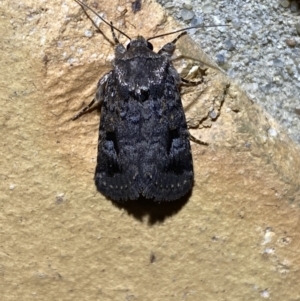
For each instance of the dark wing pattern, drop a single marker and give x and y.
(143, 144)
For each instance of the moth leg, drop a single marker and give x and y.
(80, 113)
(208, 64)
(98, 98)
(179, 36)
(190, 82)
(119, 48)
(168, 49)
(194, 139)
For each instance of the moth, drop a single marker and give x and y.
(144, 148)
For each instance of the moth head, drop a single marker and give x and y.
(139, 41)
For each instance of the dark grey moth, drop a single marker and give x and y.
(143, 147)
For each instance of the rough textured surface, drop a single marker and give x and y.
(235, 238)
(260, 49)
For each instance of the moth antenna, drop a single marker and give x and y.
(83, 5)
(183, 29)
(96, 26)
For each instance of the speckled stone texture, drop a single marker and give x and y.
(259, 49)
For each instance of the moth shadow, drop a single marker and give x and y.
(156, 211)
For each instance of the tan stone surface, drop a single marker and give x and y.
(235, 238)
